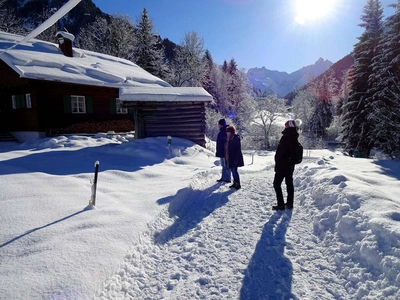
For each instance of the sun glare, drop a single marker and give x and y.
(311, 10)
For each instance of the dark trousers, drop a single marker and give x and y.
(235, 174)
(289, 188)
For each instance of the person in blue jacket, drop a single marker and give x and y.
(233, 155)
(221, 139)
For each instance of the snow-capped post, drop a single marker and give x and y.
(169, 145)
(94, 186)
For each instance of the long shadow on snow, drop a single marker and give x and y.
(269, 273)
(191, 207)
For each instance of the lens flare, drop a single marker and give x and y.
(311, 10)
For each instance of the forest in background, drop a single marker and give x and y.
(358, 106)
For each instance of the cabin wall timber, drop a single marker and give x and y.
(183, 119)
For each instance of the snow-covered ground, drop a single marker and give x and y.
(163, 228)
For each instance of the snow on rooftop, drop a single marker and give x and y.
(164, 94)
(42, 60)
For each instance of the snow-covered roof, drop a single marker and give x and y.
(42, 60)
(159, 94)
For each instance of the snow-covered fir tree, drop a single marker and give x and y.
(384, 106)
(357, 130)
(323, 90)
(148, 53)
(238, 94)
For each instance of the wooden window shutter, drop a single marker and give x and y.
(89, 105)
(67, 104)
(21, 100)
(113, 106)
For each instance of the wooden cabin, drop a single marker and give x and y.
(178, 112)
(48, 89)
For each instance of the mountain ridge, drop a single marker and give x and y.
(282, 83)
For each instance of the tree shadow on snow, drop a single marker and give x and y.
(190, 207)
(269, 273)
(389, 168)
(69, 162)
(40, 228)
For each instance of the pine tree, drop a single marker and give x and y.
(148, 53)
(323, 90)
(385, 81)
(238, 93)
(356, 128)
(210, 78)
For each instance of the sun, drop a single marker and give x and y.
(311, 10)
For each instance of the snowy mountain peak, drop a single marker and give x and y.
(282, 83)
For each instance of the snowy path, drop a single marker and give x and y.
(200, 248)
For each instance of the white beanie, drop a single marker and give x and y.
(293, 123)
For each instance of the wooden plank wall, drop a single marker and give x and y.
(177, 119)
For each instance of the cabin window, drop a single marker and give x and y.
(78, 104)
(120, 110)
(28, 101)
(18, 101)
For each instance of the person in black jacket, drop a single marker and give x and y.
(284, 166)
(233, 155)
(221, 139)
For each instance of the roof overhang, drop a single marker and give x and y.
(165, 94)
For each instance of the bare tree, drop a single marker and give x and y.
(115, 36)
(188, 67)
(267, 111)
(9, 22)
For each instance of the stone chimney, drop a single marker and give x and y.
(65, 41)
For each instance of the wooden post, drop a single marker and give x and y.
(169, 145)
(96, 171)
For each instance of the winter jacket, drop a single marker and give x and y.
(283, 163)
(221, 139)
(233, 152)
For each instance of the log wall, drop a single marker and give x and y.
(178, 119)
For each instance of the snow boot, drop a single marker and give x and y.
(237, 185)
(289, 206)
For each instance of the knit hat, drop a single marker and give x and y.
(293, 123)
(222, 122)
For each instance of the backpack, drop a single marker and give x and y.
(297, 153)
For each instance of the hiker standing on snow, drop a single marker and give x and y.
(284, 167)
(221, 140)
(233, 155)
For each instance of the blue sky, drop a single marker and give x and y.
(257, 33)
